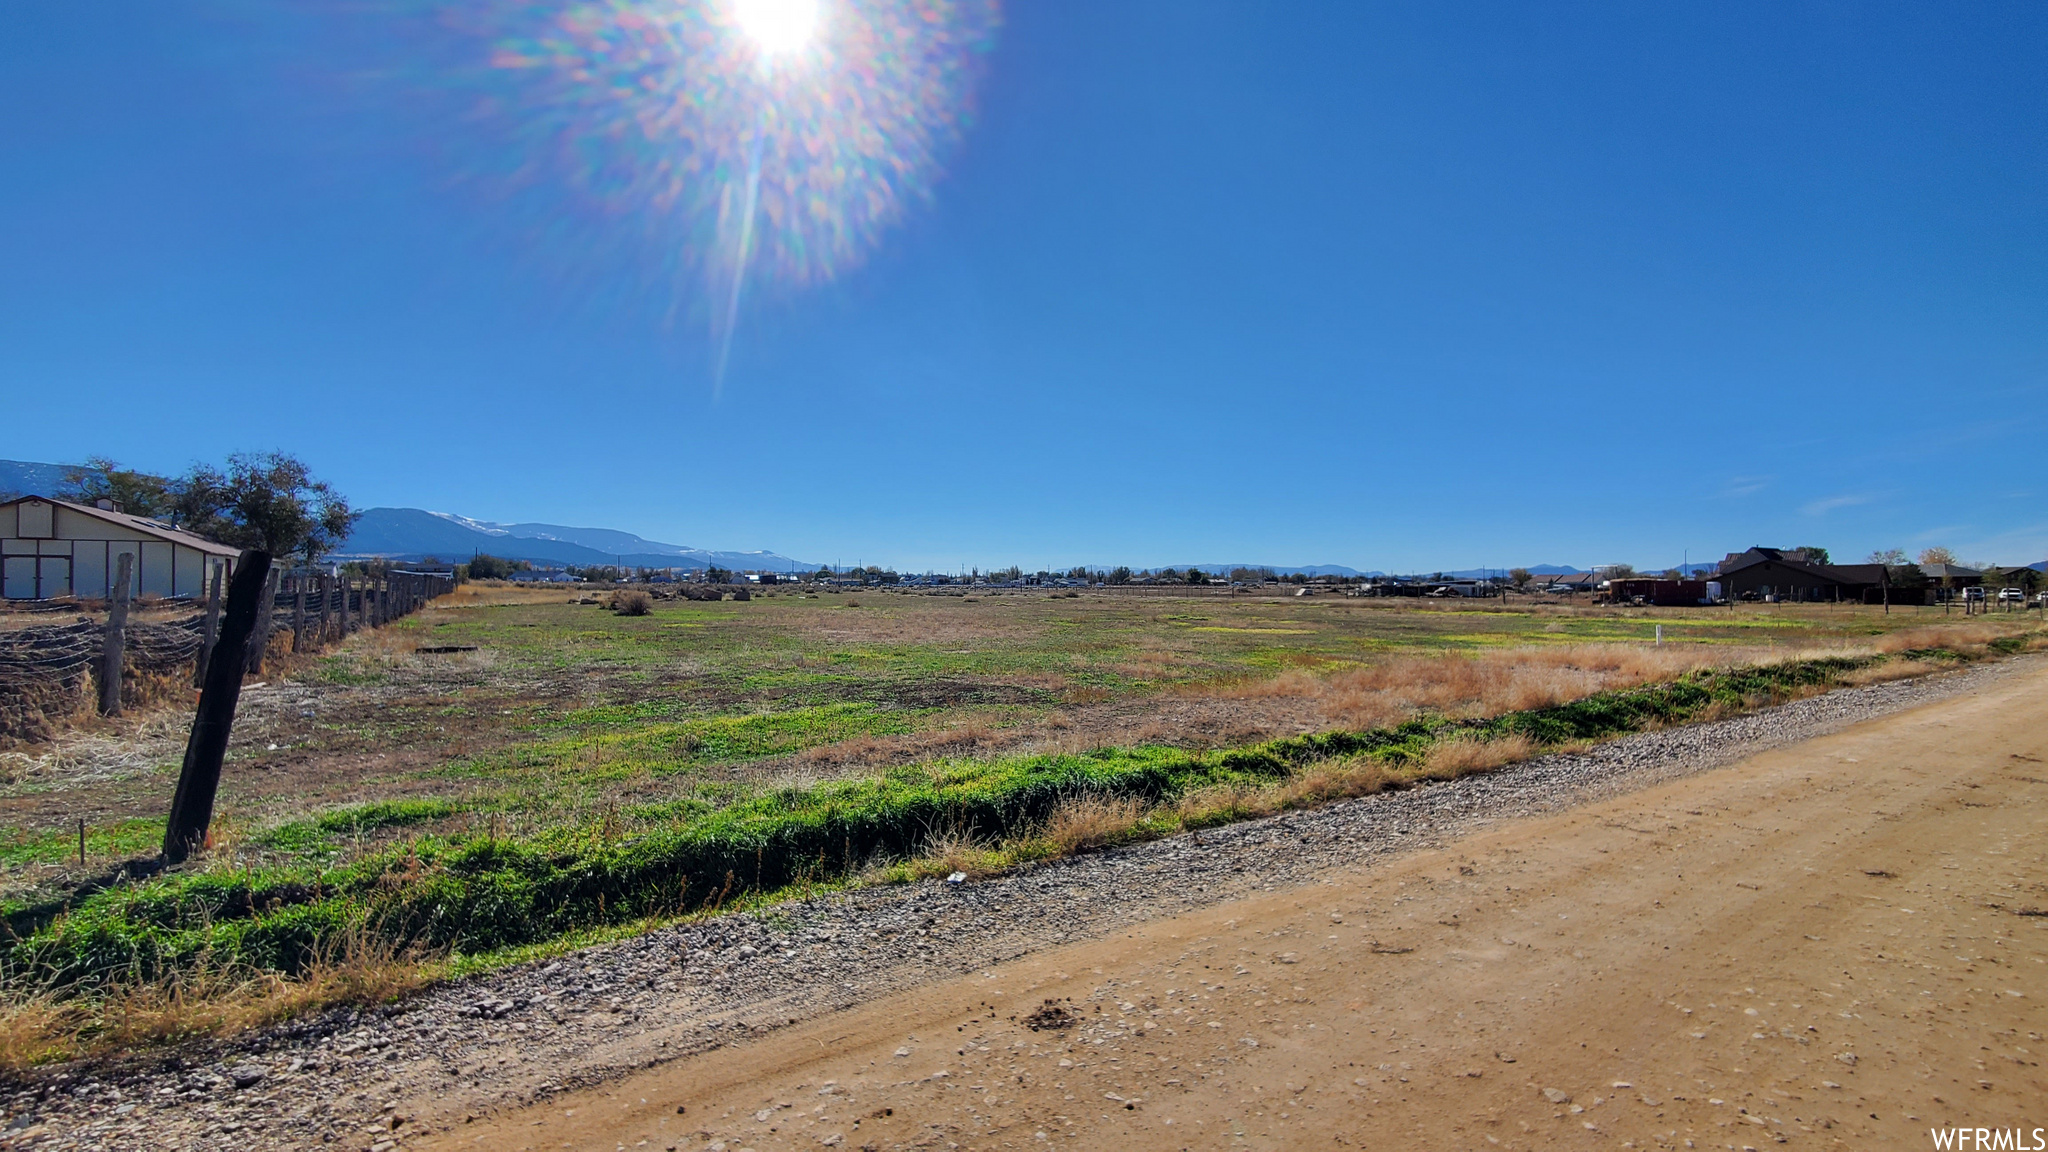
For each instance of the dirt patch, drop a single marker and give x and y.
(1052, 1016)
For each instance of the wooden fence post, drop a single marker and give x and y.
(199, 778)
(298, 613)
(115, 649)
(344, 582)
(212, 629)
(326, 587)
(261, 643)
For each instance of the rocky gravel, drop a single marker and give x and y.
(373, 1079)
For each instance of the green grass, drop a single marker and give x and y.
(619, 742)
(479, 895)
(55, 846)
(331, 830)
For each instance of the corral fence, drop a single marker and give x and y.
(50, 672)
(312, 608)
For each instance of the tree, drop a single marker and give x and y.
(1120, 575)
(1671, 574)
(1814, 554)
(1936, 555)
(1196, 576)
(1520, 577)
(136, 493)
(717, 575)
(1889, 557)
(489, 567)
(1621, 571)
(268, 501)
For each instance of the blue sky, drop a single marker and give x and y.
(1396, 286)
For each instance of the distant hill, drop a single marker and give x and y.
(28, 478)
(416, 534)
(1276, 569)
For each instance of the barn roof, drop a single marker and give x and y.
(143, 524)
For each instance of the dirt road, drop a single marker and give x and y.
(1837, 943)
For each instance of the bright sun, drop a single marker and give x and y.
(777, 26)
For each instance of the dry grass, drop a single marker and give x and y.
(1960, 637)
(1889, 670)
(362, 969)
(1488, 683)
(1463, 756)
(1086, 822)
(950, 850)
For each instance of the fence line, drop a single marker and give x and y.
(47, 671)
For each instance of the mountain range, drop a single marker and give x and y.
(416, 534)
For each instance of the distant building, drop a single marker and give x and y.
(1792, 574)
(51, 548)
(1952, 575)
(1659, 593)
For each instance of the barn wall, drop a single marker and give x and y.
(83, 553)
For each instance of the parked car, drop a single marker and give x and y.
(1972, 593)
(2011, 596)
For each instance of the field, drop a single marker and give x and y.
(557, 772)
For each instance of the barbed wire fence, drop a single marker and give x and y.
(49, 672)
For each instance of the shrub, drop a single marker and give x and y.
(632, 603)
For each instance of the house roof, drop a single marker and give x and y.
(1794, 559)
(1937, 571)
(143, 524)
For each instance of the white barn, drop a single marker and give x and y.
(56, 548)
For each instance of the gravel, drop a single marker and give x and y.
(374, 1078)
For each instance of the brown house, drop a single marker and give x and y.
(1790, 574)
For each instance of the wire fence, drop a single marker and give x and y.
(49, 671)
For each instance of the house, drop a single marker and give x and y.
(54, 548)
(1952, 575)
(1571, 581)
(2025, 577)
(1784, 573)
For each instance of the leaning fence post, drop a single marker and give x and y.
(112, 654)
(261, 643)
(199, 778)
(211, 631)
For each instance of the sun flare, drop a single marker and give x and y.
(777, 27)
